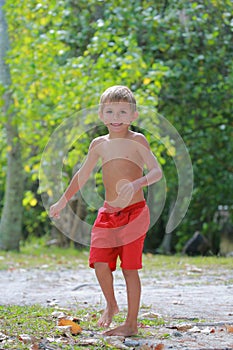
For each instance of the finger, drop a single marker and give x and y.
(51, 213)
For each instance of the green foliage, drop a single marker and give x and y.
(35, 253)
(177, 58)
(197, 99)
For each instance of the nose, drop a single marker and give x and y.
(115, 115)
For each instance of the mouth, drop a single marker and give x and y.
(116, 124)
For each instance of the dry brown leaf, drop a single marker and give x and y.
(184, 327)
(25, 338)
(152, 347)
(75, 328)
(34, 347)
(159, 347)
(229, 328)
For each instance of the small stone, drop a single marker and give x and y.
(177, 334)
(131, 342)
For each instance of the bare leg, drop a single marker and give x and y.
(133, 286)
(105, 278)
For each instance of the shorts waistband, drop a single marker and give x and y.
(136, 205)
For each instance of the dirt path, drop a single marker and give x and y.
(190, 298)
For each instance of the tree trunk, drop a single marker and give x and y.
(165, 246)
(11, 219)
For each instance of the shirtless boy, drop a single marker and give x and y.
(122, 222)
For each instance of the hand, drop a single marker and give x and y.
(55, 210)
(127, 189)
(126, 192)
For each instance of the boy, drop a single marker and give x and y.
(123, 221)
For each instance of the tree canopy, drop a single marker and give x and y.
(176, 56)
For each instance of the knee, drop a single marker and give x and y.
(101, 267)
(129, 273)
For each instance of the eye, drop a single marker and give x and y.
(123, 112)
(108, 111)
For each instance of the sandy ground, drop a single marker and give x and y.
(202, 299)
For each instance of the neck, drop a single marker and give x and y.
(119, 135)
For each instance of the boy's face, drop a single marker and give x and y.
(117, 113)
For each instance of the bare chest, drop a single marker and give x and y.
(121, 151)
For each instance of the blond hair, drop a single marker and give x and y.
(118, 93)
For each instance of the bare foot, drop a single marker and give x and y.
(124, 330)
(107, 316)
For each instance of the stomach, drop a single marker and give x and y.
(115, 176)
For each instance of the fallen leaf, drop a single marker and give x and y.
(229, 328)
(34, 347)
(89, 341)
(58, 314)
(184, 327)
(25, 338)
(150, 315)
(141, 325)
(75, 328)
(117, 342)
(193, 268)
(2, 337)
(208, 330)
(64, 329)
(195, 329)
(159, 347)
(152, 347)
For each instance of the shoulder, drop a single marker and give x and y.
(140, 138)
(98, 141)
(96, 144)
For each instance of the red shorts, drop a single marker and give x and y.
(129, 254)
(120, 232)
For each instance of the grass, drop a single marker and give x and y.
(37, 254)
(35, 327)
(178, 262)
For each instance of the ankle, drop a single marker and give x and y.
(132, 324)
(112, 306)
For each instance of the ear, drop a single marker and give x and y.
(134, 116)
(101, 116)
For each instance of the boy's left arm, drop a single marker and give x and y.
(154, 171)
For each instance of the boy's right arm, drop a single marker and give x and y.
(77, 182)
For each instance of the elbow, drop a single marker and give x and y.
(159, 174)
